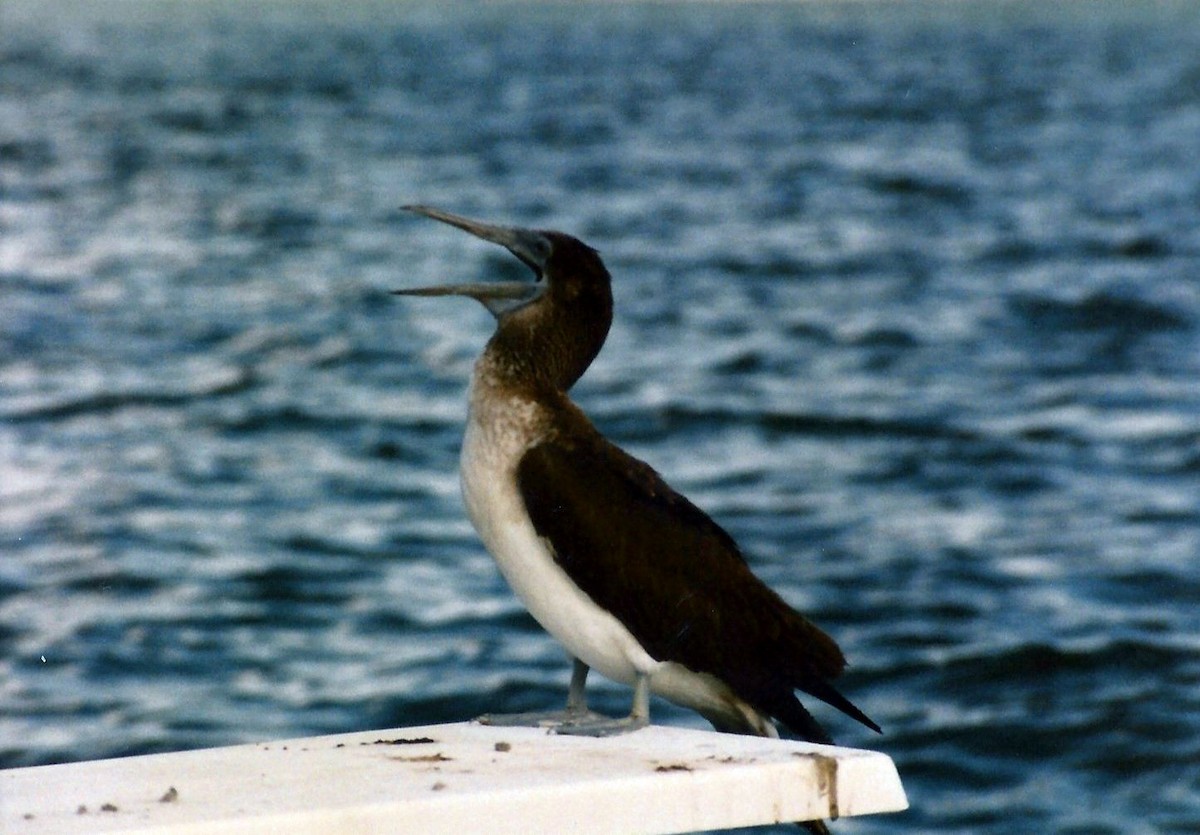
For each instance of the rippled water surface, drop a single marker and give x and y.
(908, 298)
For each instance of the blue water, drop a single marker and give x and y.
(908, 298)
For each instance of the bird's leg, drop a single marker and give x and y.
(577, 694)
(576, 711)
(596, 725)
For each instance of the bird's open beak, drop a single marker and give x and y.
(533, 248)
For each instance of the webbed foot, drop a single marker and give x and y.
(600, 726)
(554, 719)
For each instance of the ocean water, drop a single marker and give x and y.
(908, 298)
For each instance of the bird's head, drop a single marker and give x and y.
(556, 322)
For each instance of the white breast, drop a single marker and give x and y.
(494, 443)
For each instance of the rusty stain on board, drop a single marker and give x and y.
(827, 781)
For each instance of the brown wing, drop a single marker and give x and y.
(632, 544)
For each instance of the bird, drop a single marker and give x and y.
(628, 575)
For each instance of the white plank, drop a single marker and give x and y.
(466, 778)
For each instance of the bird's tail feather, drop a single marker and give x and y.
(829, 694)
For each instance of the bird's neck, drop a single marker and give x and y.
(540, 351)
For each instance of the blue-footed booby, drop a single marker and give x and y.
(629, 576)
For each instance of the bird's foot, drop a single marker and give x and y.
(577, 720)
(599, 725)
(553, 719)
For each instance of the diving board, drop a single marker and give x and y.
(455, 779)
